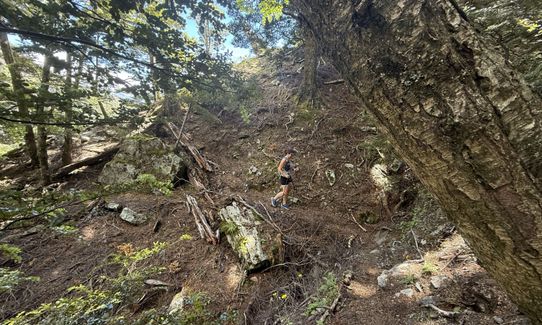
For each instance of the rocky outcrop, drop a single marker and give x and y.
(142, 154)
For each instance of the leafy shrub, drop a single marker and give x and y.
(327, 293)
(95, 306)
(92, 307)
(11, 252)
(229, 227)
(11, 278)
(148, 182)
(409, 279)
(429, 268)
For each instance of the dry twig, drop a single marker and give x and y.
(416, 242)
(357, 223)
(444, 313)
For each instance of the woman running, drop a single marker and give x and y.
(285, 180)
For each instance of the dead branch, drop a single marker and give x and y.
(104, 156)
(268, 155)
(183, 139)
(357, 223)
(316, 126)
(450, 260)
(182, 126)
(444, 313)
(331, 309)
(290, 120)
(318, 261)
(198, 184)
(271, 220)
(416, 242)
(334, 82)
(258, 213)
(201, 221)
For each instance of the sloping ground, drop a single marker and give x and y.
(322, 229)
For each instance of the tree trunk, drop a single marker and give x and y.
(22, 103)
(42, 131)
(457, 114)
(308, 91)
(67, 147)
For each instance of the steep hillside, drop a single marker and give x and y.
(356, 212)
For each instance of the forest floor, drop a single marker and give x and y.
(322, 230)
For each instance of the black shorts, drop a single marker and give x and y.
(285, 181)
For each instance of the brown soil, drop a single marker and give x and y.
(319, 232)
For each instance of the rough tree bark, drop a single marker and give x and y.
(308, 91)
(457, 114)
(40, 112)
(22, 103)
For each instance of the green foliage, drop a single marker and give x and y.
(244, 114)
(96, 306)
(260, 25)
(327, 292)
(237, 94)
(229, 227)
(195, 311)
(87, 307)
(242, 245)
(409, 279)
(186, 237)
(417, 215)
(530, 25)
(148, 182)
(5, 148)
(52, 204)
(14, 203)
(9, 279)
(272, 9)
(65, 229)
(129, 258)
(428, 268)
(11, 252)
(406, 226)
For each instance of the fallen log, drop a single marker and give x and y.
(205, 230)
(104, 156)
(255, 242)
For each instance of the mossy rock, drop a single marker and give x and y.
(143, 154)
(257, 245)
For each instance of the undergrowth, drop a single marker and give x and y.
(50, 204)
(327, 292)
(107, 302)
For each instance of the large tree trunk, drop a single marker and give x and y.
(42, 131)
(308, 92)
(22, 103)
(457, 114)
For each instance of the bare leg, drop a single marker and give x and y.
(285, 191)
(281, 193)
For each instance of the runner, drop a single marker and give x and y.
(284, 168)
